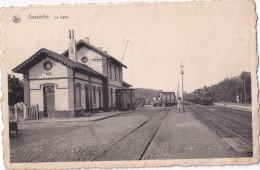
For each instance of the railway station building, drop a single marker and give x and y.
(81, 80)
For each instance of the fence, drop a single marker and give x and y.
(20, 112)
(32, 112)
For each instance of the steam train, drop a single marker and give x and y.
(199, 97)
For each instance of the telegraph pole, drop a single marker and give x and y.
(182, 72)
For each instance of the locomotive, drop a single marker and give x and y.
(199, 97)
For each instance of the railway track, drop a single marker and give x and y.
(246, 123)
(240, 113)
(237, 114)
(133, 145)
(243, 117)
(225, 126)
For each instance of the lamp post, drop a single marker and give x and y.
(178, 95)
(182, 72)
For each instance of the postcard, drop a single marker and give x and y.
(130, 85)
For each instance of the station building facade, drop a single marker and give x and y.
(81, 80)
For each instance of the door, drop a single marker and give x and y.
(49, 101)
(87, 98)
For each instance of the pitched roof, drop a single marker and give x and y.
(126, 84)
(35, 58)
(65, 53)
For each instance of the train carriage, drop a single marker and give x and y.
(168, 99)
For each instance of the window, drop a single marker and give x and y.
(111, 97)
(78, 95)
(115, 73)
(119, 74)
(100, 97)
(47, 65)
(84, 59)
(94, 97)
(110, 70)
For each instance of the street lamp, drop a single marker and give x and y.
(178, 95)
(182, 72)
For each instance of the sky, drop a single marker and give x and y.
(212, 41)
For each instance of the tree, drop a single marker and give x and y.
(15, 90)
(246, 78)
(228, 89)
(146, 93)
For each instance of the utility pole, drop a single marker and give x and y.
(182, 72)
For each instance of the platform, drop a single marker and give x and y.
(92, 117)
(182, 136)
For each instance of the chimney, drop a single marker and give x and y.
(105, 52)
(86, 39)
(100, 48)
(69, 34)
(72, 46)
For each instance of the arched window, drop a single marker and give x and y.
(115, 72)
(119, 74)
(94, 97)
(78, 95)
(100, 97)
(110, 70)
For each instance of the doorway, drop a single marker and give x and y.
(49, 101)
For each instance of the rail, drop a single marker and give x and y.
(141, 151)
(228, 130)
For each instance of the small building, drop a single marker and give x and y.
(125, 99)
(81, 80)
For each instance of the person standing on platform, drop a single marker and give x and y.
(179, 105)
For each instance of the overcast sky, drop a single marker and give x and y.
(213, 41)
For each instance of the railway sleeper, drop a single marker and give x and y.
(135, 144)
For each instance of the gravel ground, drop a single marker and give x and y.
(71, 141)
